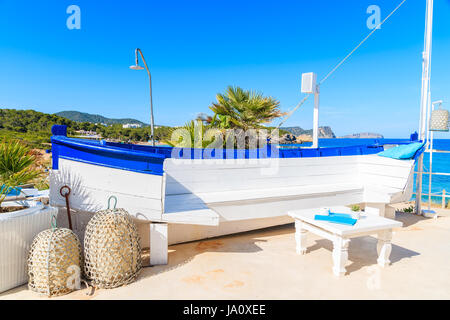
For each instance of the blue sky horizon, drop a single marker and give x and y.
(196, 49)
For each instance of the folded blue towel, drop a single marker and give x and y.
(12, 192)
(336, 219)
(344, 215)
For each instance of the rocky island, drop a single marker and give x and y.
(298, 135)
(363, 135)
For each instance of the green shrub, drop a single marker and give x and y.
(16, 166)
(409, 209)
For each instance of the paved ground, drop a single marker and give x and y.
(263, 265)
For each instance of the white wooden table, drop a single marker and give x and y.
(340, 234)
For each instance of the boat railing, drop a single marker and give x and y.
(441, 194)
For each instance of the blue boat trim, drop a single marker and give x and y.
(150, 159)
(107, 156)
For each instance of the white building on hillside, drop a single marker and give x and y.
(131, 125)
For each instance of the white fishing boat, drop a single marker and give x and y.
(204, 197)
(199, 196)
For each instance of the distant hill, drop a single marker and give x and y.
(363, 135)
(96, 118)
(30, 121)
(34, 128)
(324, 132)
(30, 127)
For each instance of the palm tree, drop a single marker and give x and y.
(243, 109)
(193, 134)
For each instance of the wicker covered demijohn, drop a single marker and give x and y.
(111, 249)
(54, 262)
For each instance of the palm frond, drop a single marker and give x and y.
(191, 135)
(244, 109)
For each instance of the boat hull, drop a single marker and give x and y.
(201, 196)
(144, 195)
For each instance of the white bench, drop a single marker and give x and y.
(340, 234)
(237, 190)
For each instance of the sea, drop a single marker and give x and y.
(441, 162)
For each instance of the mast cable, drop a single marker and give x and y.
(290, 113)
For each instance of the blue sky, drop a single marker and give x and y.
(196, 48)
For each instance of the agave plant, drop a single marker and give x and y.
(16, 167)
(243, 109)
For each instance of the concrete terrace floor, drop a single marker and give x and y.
(263, 265)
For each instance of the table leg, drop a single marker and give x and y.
(300, 237)
(340, 255)
(384, 247)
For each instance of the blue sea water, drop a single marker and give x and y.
(441, 161)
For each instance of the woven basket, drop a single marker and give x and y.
(54, 262)
(112, 250)
(439, 120)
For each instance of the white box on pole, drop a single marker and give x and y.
(309, 81)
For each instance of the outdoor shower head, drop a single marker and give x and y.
(136, 67)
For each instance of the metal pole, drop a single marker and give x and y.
(316, 118)
(443, 199)
(431, 109)
(431, 170)
(152, 123)
(426, 70)
(430, 106)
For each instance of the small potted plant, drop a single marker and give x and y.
(20, 219)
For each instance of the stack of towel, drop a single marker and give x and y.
(341, 218)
